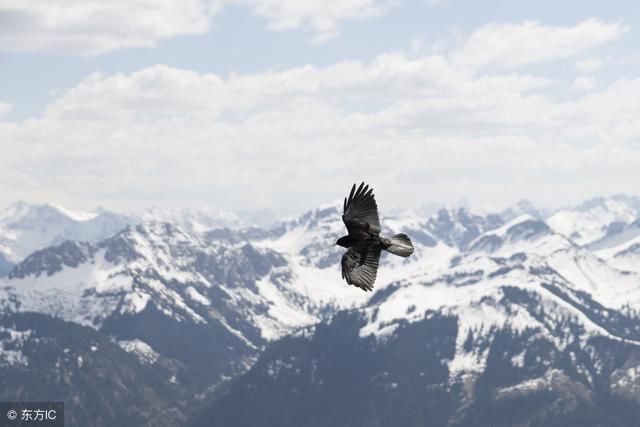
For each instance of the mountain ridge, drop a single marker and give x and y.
(177, 299)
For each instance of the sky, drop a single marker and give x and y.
(283, 104)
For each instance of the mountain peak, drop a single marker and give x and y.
(195, 221)
(53, 259)
(458, 227)
(522, 207)
(22, 210)
(590, 221)
(522, 230)
(74, 215)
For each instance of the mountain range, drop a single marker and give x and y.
(519, 317)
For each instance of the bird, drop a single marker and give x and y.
(363, 241)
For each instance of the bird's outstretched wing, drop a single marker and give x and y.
(361, 210)
(360, 266)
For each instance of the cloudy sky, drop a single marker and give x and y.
(251, 104)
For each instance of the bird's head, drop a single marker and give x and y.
(343, 242)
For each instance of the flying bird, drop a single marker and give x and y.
(364, 243)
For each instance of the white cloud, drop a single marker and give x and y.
(393, 80)
(584, 83)
(5, 108)
(322, 16)
(93, 27)
(411, 125)
(90, 27)
(324, 37)
(589, 65)
(509, 46)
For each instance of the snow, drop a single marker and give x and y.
(195, 221)
(617, 242)
(14, 357)
(541, 244)
(141, 349)
(75, 215)
(292, 303)
(518, 359)
(589, 225)
(64, 294)
(171, 298)
(291, 242)
(94, 290)
(616, 249)
(465, 363)
(626, 381)
(539, 383)
(478, 309)
(586, 272)
(292, 298)
(11, 343)
(135, 302)
(25, 228)
(438, 294)
(196, 296)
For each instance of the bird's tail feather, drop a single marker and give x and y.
(400, 245)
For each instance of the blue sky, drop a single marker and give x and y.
(250, 104)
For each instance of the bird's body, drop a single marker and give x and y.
(364, 243)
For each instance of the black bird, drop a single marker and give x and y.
(364, 243)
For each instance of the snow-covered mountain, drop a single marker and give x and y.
(25, 228)
(595, 219)
(550, 299)
(525, 325)
(195, 221)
